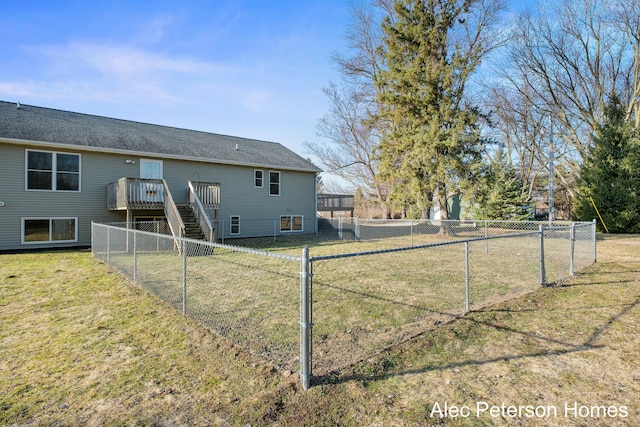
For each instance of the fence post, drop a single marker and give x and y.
(357, 229)
(411, 233)
(108, 245)
(184, 275)
(486, 235)
(466, 274)
(305, 319)
(543, 280)
(572, 247)
(135, 257)
(595, 254)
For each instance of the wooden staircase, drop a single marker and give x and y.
(191, 228)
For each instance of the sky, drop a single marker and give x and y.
(247, 68)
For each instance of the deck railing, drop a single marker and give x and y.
(203, 197)
(335, 202)
(135, 193)
(141, 193)
(208, 193)
(173, 215)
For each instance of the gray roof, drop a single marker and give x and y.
(49, 126)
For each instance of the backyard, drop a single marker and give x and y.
(366, 295)
(80, 344)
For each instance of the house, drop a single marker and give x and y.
(61, 170)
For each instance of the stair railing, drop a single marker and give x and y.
(171, 212)
(202, 217)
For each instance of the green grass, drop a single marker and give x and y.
(80, 345)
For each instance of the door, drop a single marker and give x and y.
(151, 191)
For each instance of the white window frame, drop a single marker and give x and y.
(279, 183)
(255, 178)
(50, 219)
(231, 218)
(144, 162)
(291, 222)
(54, 171)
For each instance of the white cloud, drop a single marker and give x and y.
(82, 90)
(109, 72)
(121, 60)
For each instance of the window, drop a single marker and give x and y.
(53, 171)
(235, 225)
(258, 178)
(291, 223)
(47, 230)
(274, 183)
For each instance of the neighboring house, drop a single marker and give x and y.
(60, 170)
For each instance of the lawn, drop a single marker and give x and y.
(81, 345)
(367, 295)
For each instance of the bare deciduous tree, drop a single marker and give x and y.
(562, 65)
(352, 135)
(572, 59)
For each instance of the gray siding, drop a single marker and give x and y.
(257, 209)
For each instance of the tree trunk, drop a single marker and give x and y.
(445, 225)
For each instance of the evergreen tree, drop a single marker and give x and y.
(610, 174)
(499, 193)
(432, 134)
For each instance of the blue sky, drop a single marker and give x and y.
(247, 68)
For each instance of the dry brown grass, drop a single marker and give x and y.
(79, 345)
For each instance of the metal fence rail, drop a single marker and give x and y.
(324, 312)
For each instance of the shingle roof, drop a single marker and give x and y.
(46, 125)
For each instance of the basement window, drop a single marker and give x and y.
(49, 230)
(289, 223)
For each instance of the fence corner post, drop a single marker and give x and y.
(543, 279)
(305, 320)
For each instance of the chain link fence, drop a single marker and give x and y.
(408, 232)
(366, 301)
(248, 296)
(382, 283)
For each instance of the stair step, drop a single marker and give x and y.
(192, 229)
